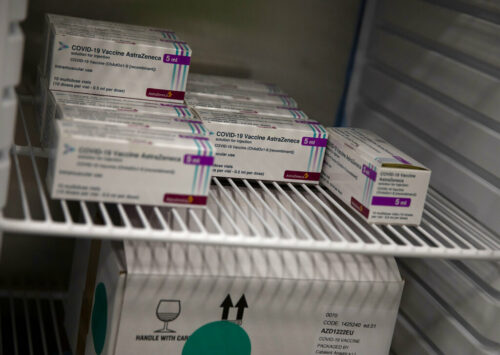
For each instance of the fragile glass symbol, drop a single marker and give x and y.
(167, 311)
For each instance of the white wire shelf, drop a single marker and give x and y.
(32, 324)
(239, 213)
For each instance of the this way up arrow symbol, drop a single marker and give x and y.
(241, 305)
(225, 305)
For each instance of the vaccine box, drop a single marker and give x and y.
(271, 99)
(102, 26)
(125, 61)
(232, 83)
(171, 298)
(265, 148)
(122, 117)
(139, 112)
(378, 181)
(249, 108)
(127, 164)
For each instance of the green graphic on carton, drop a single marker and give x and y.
(99, 319)
(218, 338)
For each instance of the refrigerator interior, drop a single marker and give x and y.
(425, 76)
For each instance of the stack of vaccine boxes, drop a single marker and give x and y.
(258, 130)
(112, 115)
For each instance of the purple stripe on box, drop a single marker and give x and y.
(176, 59)
(198, 159)
(314, 142)
(185, 199)
(391, 201)
(369, 172)
(289, 108)
(165, 94)
(404, 161)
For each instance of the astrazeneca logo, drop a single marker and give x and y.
(68, 149)
(62, 46)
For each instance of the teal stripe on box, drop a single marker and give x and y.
(195, 168)
(205, 184)
(175, 67)
(184, 70)
(312, 148)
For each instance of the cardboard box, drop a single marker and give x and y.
(120, 117)
(102, 26)
(173, 296)
(92, 310)
(127, 61)
(377, 180)
(66, 105)
(111, 163)
(265, 148)
(232, 83)
(261, 98)
(249, 108)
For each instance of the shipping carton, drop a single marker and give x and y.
(189, 299)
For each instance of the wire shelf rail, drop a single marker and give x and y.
(239, 213)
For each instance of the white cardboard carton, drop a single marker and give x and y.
(127, 61)
(377, 180)
(262, 98)
(111, 163)
(119, 117)
(47, 101)
(265, 148)
(249, 108)
(114, 110)
(280, 302)
(232, 83)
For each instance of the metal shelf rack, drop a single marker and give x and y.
(32, 324)
(240, 213)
